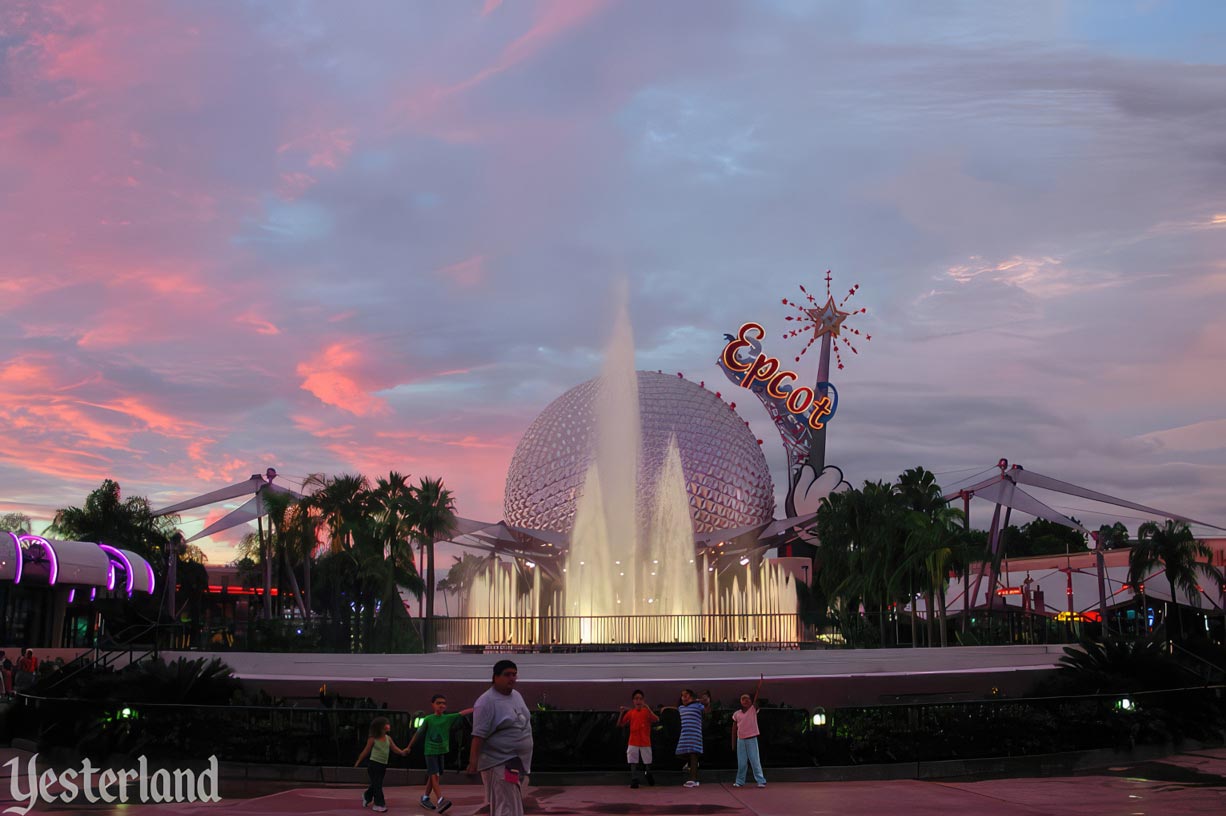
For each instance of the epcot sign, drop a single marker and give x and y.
(765, 369)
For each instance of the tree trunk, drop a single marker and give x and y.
(429, 605)
(928, 607)
(966, 599)
(1175, 604)
(914, 622)
(293, 586)
(265, 557)
(306, 584)
(281, 568)
(944, 626)
(421, 572)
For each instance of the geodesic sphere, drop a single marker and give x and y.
(728, 481)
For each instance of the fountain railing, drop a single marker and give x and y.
(778, 629)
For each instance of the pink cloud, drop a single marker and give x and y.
(333, 377)
(294, 185)
(260, 325)
(555, 20)
(318, 428)
(468, 273)
(432, 107)
(322, 149)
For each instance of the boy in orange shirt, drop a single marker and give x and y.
(640, 719)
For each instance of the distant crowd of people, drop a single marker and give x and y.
(17, 676)
(501, 750)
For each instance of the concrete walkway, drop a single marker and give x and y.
(1193, 783)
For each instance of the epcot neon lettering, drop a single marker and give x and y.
(765, 369)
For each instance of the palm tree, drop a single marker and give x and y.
(392, 503)
(342, 503)
(1173, 546)
(127, 523)
(1114, 537)
(122, 522)
(463, 573)
(934, 544)
(861, 534)
(293, 537)
(919, 489)
(433, 514)
(15, 522)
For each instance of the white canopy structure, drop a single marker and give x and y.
(32, 558)
(1074, 589)
(1003, 490)
(251, 510)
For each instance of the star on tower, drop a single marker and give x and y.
(825, 319)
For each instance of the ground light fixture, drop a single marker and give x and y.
(1125, 704)
(126, 713)
(418, 719)
(819, 717)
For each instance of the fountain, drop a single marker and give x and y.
(632, 572)
(617, 564)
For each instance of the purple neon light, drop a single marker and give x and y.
(110, 575)
(17, 555)
(51, 556)
(72, 593)
(126, 563)
(93, 591)
(149, 568)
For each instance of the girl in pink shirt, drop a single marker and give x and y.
(745, 739)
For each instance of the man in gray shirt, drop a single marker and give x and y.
(502, 742)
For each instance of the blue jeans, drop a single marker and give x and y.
(747, 754)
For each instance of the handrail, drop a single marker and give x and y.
(96, 656)
(1213, 668)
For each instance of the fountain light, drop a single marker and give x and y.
(530, 564)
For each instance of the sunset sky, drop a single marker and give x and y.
(354, 237)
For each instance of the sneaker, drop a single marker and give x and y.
(426, 803)
(737, 785)
(761, 784)
(634, 783)
(379, 808)
(443, 804)
(365, 801)
(690, 783)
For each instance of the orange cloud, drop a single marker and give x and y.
(332, 378)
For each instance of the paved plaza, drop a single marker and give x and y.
(1191, 783)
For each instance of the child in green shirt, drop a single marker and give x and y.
(436, 732)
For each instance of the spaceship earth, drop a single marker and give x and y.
(727, 477)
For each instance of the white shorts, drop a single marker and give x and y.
(638, 753)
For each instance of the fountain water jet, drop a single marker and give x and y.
(655, 573)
